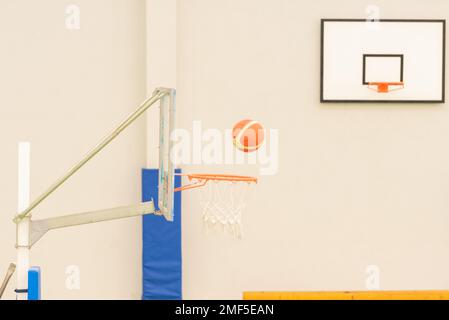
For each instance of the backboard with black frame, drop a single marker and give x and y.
(357, 53)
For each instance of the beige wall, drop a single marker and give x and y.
(63, 90)
(161, 58)
(358, 185)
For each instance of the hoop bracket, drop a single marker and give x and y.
(384, 87)
(200, 179)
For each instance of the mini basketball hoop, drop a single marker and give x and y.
(223, 199)
(385, 87)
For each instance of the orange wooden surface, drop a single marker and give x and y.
(348, 295)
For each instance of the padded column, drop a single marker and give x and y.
(34, 283)
(162, 259)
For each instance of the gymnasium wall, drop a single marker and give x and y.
(63, 89)
(358, 187)
(361, 190)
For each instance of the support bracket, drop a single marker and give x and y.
(40, 227)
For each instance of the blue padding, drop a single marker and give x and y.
(34, 283)
(162, 259)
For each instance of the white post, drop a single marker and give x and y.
(23, 228)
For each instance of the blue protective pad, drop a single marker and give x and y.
(162, 259)
(34, 283)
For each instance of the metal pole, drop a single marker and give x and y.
(157, 95)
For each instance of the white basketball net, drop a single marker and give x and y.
(223, 204)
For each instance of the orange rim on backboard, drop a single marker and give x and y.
(385, 87)
(200, 179)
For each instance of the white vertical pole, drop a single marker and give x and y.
(23, 228)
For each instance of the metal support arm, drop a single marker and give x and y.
(157, 95)
(40, 227)
(28, 232)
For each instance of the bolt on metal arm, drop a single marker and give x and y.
(157, 95)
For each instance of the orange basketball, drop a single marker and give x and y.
(248, 135)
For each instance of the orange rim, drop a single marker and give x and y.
(384, 87)
(203, 178)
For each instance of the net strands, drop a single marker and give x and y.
(223, 199)
(223, 204)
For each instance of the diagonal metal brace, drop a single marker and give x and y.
(9, 273)
(157, 95)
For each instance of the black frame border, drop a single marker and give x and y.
(443, 82)
(381, 55)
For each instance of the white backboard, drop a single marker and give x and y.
(356, 52)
